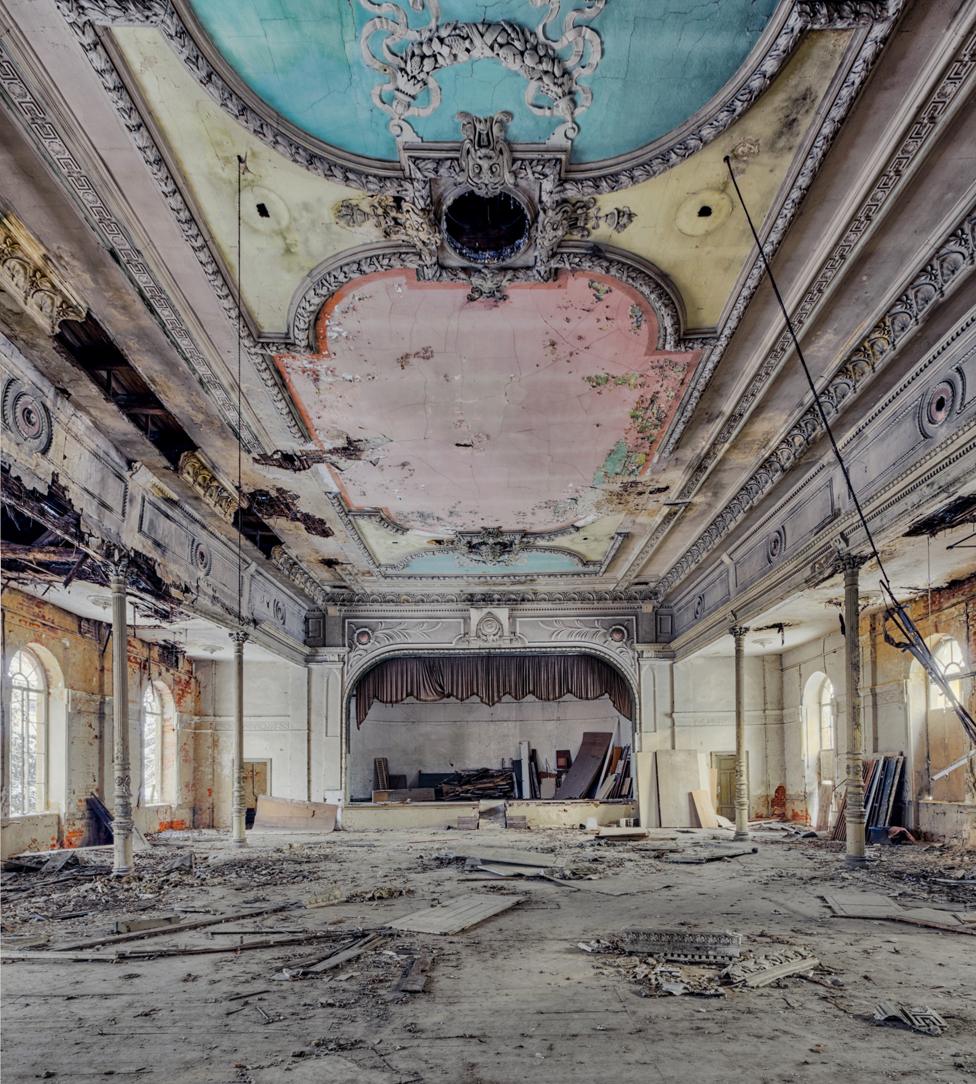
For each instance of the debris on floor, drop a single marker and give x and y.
(922, 1019)
(755, 971)
(457, 915)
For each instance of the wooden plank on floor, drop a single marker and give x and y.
(503, 855)
(460, 914)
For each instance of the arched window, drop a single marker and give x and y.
(152, 746)
(28, 734)
(948, 655)
(826, 702)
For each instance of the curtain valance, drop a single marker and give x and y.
(490, 677)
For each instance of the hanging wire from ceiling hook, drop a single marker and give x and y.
(895, 613)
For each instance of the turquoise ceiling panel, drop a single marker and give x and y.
(662, 61)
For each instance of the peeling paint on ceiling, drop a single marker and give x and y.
(529, 415)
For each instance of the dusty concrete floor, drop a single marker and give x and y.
(513, 1000)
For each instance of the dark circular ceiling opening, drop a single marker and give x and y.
(486, 229)
(704, 211)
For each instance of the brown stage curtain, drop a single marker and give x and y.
(490, 677)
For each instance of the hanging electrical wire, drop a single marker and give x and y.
(241, 167)
(895, 613)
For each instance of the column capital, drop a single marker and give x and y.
(851, 562)
(118, 568)
(738, 631)
(239, 636)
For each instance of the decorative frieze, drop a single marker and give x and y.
(946, 268)
(197, 473)
(28, 275)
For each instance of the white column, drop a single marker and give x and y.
(855, 736)
(741, 767)
(326, 724)
(655, 726)
(122, 813)
(237, 764)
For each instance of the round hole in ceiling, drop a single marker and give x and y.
(702, 212)
(486, 229)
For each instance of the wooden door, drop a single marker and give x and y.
(724, 764)
(256, 774)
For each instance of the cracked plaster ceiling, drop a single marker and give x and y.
(432, 414)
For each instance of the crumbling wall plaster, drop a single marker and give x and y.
(79, 664)
(891, 716)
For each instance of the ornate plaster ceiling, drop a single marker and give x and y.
(533, 414)
(296, 56)
(503, 410)
(702, 255)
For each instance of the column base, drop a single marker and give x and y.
(742, 836)
(123, 871)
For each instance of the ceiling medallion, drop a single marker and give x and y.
(490, 546)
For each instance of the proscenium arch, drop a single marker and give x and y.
(353, 678)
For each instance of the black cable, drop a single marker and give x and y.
(241, 165)
(894, 610)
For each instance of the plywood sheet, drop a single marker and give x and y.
(646, 803)
(460, 914)
(678, 774)
(504, 856)
(702, 801)
(294, 814)
(589, 760)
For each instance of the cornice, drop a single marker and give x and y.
(867, 53)
(925, 123)
(27, 273)
(822, 556)
(947, 266)
(43, 130)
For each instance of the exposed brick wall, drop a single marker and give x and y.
(81, 713)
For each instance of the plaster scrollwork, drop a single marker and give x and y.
(197, 473)
(370, 637)
(488, 284)
(951, 262)
(408, 58)
(490, 546)
(28, 275)
(486, 158)
(397, 219)
(601, 631)
(489, 629)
